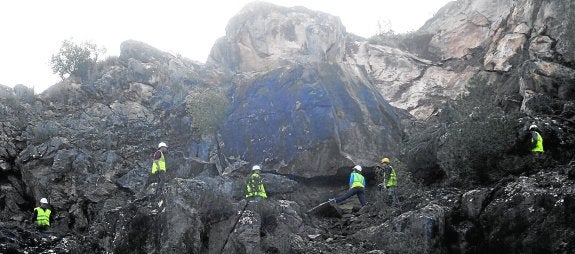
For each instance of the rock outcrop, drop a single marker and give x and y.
(86, 146)
(307, 102)
(519, 215)
(263, 37)
(310, 121)
(518, 44)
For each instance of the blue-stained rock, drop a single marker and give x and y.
(310, 120)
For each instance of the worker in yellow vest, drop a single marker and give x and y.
(536, 140)
(356, 187)
(388, 177)
(159, 165)
(255, 189)
(42, 215)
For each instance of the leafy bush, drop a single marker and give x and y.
(75, 59)
(478, 138)
(472, 144)
(208, 109)
(472, 150)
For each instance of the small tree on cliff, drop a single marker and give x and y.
(76, 59)
(208, 109)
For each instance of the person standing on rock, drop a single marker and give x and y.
(356, 187)
(388, 179)
(42, 215)
(255, 186)
(536, 140)
(159, 164)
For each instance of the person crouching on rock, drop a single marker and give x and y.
(42, 215)
(356, 187)
(255, 186)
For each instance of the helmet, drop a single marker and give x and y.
(162, 144)
(357, 167)
(43, 201)
(532, 127)
(385, 160)
(256, 167)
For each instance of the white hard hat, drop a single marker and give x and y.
(533, 126)
(43, 201)
(256, 167)
(162, 144)
(357, 167)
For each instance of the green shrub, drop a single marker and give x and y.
(471, 150)
(208, 109)
(75, 59)
(471, 145)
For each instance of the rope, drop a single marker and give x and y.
(234, 227)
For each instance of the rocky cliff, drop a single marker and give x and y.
(307, 101)
(524, 46)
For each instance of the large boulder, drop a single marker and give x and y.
(527, 214)
(264, 36)
(171, 219)
(528, 210)
(419, 231)
(244, 237)
(310, 121)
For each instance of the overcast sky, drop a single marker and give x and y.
(32, 30)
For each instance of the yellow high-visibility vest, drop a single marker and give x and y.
(255, 187)
(539, 145)
(159, 165)
(43, 216)
(392, 178)
(358, 180)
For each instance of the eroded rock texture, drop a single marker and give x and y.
(308, 101)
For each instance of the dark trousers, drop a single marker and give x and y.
(391, 195)
(42, 228)
(355, 191)
(159, 177)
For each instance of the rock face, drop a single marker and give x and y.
(423, 228)
(519, 44)
(516, 216)
(87, 146)
(263, 37)
(310, 113)
(310, 120)
(308, 101)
